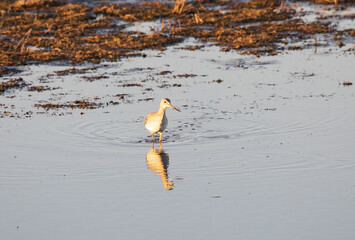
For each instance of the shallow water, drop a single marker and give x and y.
(267, 153)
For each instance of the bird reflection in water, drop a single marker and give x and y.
(158, 162)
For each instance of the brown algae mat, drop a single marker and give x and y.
(12, 83)
(42, 31)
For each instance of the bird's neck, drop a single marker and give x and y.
(161, 110)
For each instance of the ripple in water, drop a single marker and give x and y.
(105, 133)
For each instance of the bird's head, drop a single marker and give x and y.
(165, 102)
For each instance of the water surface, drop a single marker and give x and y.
(266, 153)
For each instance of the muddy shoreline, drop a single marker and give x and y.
(50, 32)
(58, 31)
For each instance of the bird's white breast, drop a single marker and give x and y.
(156, 123)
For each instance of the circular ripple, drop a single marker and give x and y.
(105, 132)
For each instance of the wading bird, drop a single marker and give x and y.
(156, 122)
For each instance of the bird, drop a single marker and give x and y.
(156, 122)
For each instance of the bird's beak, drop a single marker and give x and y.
(174, 108)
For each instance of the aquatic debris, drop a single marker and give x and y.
(78, 104)
(346, 83)
(217, 196)
(81, 104)
(192, 48)
(12, 83)
(147, 11)
(165, 72)
(184, 75)
(33, 3)
(145, 99)
(165, 85)
(122, 95)
(8, 71)
(74, 71)
(131, 85)
(38, 88)
(93, 78)
(179, 6)
(295, 48)
(329, 2)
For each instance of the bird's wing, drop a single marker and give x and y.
(147, 118)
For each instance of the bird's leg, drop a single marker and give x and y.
(153, 138)
(160, 137)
